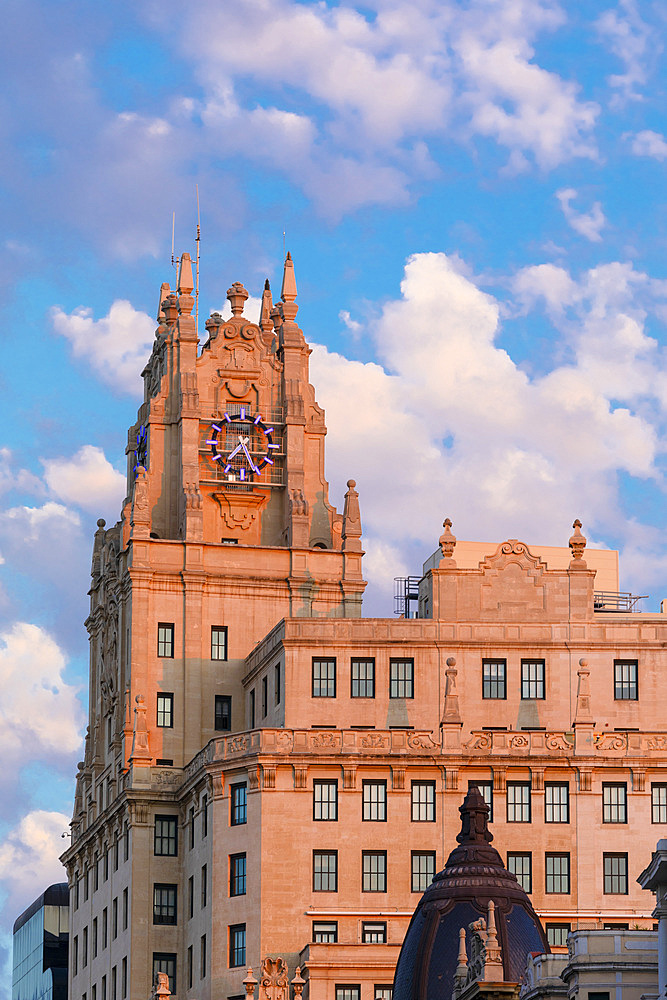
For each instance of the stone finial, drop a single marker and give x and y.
(265, 321)
(250, 983)
(298, 983)
(461, 973)
(577, 545)
(170, 309)
(351, 532)
(447, 542)
(237, 295)
(140, 750)
(185, 280)
(451, 714)
(165, 291)
(160, 986)
(474, 819)
(583, 715)
(492, 948)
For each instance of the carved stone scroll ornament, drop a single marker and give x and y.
(273, 982)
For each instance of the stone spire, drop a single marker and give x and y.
(351, 519)
(185, 280)
(265, 321)
(288, 290)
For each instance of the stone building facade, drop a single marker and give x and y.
(268, 773)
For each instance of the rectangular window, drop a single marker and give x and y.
(165, 710)
(239, 808)
(374, 871)
(325, 932)
(493, 679)
(373, 932)
(532, 679)
(165, 843)
(252, 709)
(191, 825)
(96, 873)
(518, 802)
(126, 842)
(116, 851)
(218, 642)
(423, 801)
(164, 904)
(521, 865)
(93, 942)
(348, 992)
(236, 946)
(204, 817)
(557, 936)
(265, 696)
(75, 955)
(114, 989)
(191, 897)
(556, 802)
(223, 713)
(325, 800)
(125, 909)
(104, 988)
(423, 870)
(204, 886)
(190, 968)
(325, 871)
(105, 928)
(374, 801)
(557, 873)
(276, 683)
(362, 678)
(202, 957)
(106, 862)
(84, 948)
(237, 874)
(164, 962)
(486, 791)
(383, 992)
(114, 919)
(625, 680)
(86, 882)
(401, 678)
(614, 803)
(324, 678)
(123, 977)
(615, 874)
(165, 641)
(659, 803)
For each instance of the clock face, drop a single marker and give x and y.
(141, 449)
(242, 445)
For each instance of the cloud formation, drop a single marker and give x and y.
(588, 224)
(29, 858)
(648, 143)
(117, 346)
(86, 480)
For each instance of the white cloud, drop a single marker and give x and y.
(627, 36)
(87, 480)
(39, 710)
(449, 424)
(588, 224)
(116, 346)
(648, 143)
(29, 857)
(352, 324)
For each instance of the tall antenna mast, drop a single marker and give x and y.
(198, 240)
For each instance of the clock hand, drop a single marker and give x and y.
(250, 461)
(235, 452)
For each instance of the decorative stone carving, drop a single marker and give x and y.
(140, 517)
(610, 741)
(557, 743)
(141, 754)
(583, 715)
(374, 741)
(351, 533)
(451, 713)
(422, 741)
(300, 776)
(160, 986)
(273, 982)
(237, 296)
(249, 983)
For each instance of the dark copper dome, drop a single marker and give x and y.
(459, 894)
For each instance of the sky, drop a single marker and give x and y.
(473, 194)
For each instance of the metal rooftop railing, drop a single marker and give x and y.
(609, 600)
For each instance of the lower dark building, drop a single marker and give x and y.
(41, 939)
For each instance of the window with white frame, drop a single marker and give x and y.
(423, 801)
(374, 801)
(614, 802)
(401, 678)
(518, 802)
(532, 679)
(423, 870)
(520, 864)
(556, 802)
(325, 800)
(362, 678)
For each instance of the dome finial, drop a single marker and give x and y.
(474, 819)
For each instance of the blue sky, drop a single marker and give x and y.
(473, 194)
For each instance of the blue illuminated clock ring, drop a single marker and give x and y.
(141, 449)
(239, 460)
